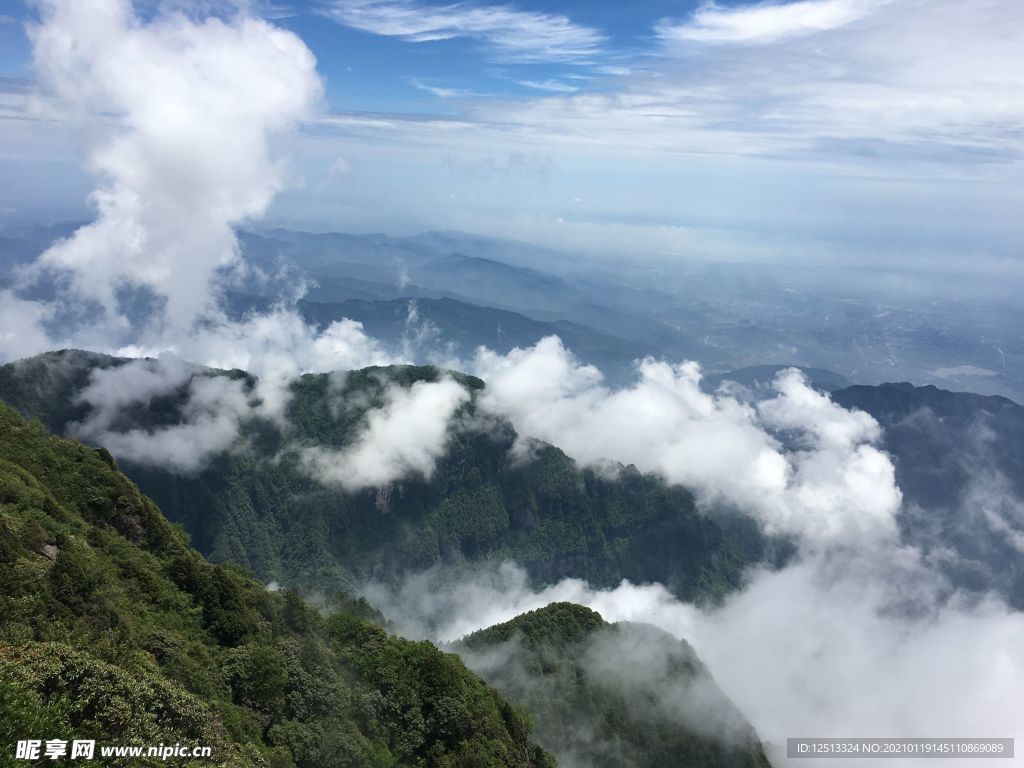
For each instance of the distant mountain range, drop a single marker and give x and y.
(453, 330)
(456, 329)
(959, 460)
(724, 315)
(442, 295)
(459, 267)
(761, 376)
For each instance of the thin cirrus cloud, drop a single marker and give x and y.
(512, 34)
(916, 80)
(550, 86)
(766, 22)
(438, 91)
(913, 81)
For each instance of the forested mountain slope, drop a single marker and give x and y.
(256, 508)
(112, 628)
(577, 674)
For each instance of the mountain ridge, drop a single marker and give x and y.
(576, 673)
(554, 517)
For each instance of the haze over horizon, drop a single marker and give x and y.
(875, 133)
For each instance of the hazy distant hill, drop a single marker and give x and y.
(724, 315)
(322, 248)
(457, 328)
(475, 270)
(761, 376)
(960, 462)
(496, 283)
(612, 695)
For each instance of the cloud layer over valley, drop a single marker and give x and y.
(868, 644)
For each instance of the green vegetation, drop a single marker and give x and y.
(256, 508)
(557, 626)
(112, 628)
(612, 695)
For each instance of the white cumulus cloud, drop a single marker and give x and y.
(179, 111)
(183, 111)
(832, 485)
(406, 436)
(207, 424)
(22, 331)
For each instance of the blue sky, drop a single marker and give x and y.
(809, 130)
